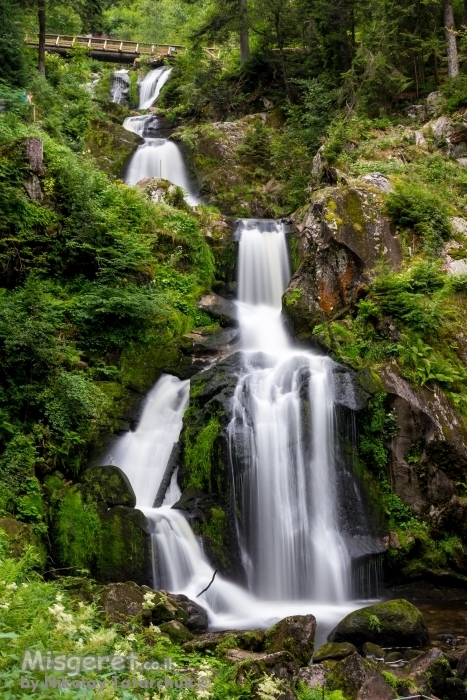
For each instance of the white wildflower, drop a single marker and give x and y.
(131, 638)
(5, 606)
(12, 587)
(149, 600)
(269, 688)
(101, 637)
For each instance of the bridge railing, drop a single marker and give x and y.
(138, 48)
(67, 41)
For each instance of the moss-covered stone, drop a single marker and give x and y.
(358, 678)
(293, 634)
(109, 485)
(125, 549)
(373, 651)
(394, 623)
(19, 537)
(333, 651)
(177, 632)
(110, 145)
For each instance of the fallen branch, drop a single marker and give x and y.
(205, 589)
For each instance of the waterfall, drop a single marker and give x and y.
(144, 453)
(151, 85)
(120, 87)
(283, 420)
(157, 157)
(283, 461)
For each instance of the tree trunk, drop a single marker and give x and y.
(41, 17)
(244, 33)
(451, 42)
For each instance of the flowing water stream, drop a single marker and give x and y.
(156, 157)
(282, 451)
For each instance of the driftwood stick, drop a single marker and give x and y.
(205, 589)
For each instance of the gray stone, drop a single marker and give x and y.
(220, 308)
(34, 151)
(459, 225)
(433, 104)
(314, 676)
(420, 140)
(33, 188)
(378, 181)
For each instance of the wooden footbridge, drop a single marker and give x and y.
(112, 50)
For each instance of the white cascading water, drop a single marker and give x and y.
(293, 552)
(151, 85)
(292, 546)
(157, 157)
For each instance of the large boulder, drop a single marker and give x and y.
(280, 665)
(430, 671)
(338, 242)
(359, 680)
(109, 485)
(121, 601)
(394, 623)
(110, 145)
(294, 634)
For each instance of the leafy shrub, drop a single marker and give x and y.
(414, 206)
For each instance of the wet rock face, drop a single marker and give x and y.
(395, 623)
(339, 242)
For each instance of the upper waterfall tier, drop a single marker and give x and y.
(151, 85)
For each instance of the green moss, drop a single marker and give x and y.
(199, 454)
(78, 531)
(214, 533)
(293, 297)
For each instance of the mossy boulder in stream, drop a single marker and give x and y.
(295, 634)
(204, 474)
(394, 623)
(334, 651)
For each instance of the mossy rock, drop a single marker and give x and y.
(358, 678)
(125, 546)
(252, 640)
(177, 632)
(294, 634)
(334, 651)
(121, 601)
(373, 651)
(396, 623)
(19, 537)
(110, 145)
(109, 485)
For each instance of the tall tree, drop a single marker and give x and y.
(41, 22)
(451, 41)
(244, 32)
